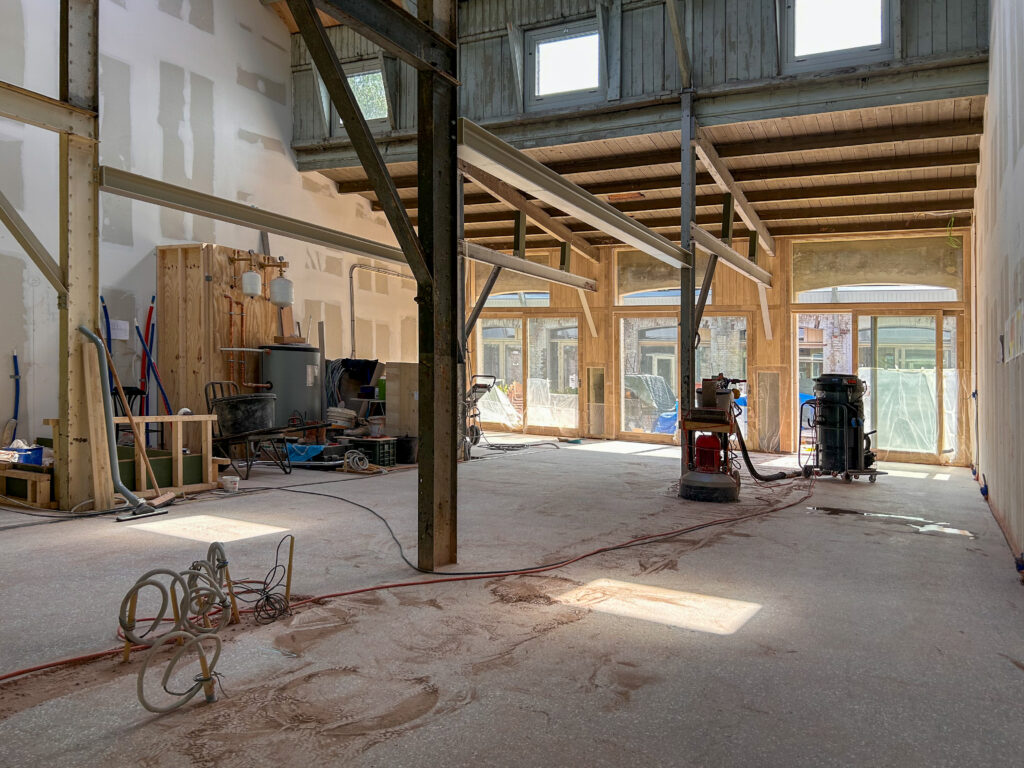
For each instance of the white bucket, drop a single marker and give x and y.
(229, 483)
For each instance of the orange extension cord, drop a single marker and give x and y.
(650, 538)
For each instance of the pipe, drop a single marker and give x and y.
(106, 325)
(140, 507)
(156, 373)
(17, 394)
(231, 334)
(753, 471)
(352, 294)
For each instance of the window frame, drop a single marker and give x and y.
(365, 67)
(887, 50)
(536, 37)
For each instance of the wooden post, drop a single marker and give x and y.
(102, 484)
(235, 618)
(208, 470)
(132, 605)
(177, 446)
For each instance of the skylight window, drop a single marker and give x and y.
(568, 64)
(836, 25)
(368, 88)
(564, 65)
(824, 34)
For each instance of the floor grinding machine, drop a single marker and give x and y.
(712, 464)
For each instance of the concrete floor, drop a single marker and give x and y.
(835, 638)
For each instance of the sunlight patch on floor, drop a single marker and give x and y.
(688, 610)
(207, 528)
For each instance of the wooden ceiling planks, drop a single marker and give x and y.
(894, 168)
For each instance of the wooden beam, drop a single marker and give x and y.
(513, 197)
(723, 177)
(809, 214)
(515, 47)
(30, 244)
(586, 312)
(675, 20)
(804, 192)
(609, 19)
(671, 180)
(766, 317)
(856, 138)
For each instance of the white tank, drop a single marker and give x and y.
(252, 283)
(282, 293)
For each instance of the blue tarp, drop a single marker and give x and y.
(300, 453)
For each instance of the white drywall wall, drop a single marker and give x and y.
(198, 93)
(1000, 272)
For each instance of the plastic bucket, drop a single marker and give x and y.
(33, 455)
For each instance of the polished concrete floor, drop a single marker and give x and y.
(862, 625)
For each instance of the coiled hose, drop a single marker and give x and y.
(199, 613)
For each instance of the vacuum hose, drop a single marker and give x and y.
(753, 471)
(140, 507)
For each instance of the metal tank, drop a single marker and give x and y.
(292, 372)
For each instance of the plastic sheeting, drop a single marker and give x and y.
(902, 405)
(547, 409)
(496, 408)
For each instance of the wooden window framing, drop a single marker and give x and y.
(889, 48)
(565, 31)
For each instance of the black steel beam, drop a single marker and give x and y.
(485, 293)
(333, 76)
(398, 32)
(440, 324)
(687, 329)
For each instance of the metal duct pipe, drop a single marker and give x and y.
(352, 295)
(141, 507)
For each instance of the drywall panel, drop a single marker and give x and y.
(1000, 274)
(178, 104)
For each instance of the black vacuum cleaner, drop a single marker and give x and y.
(835, 417)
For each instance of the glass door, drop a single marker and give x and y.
(901, 358)
(501, 356)
(552, 383)
(824, 345)
(649, 364)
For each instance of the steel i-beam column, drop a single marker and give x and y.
(79, 246)
(688, 286)
(440, 324)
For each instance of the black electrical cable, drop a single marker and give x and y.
(269, 604)
(653, 539)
